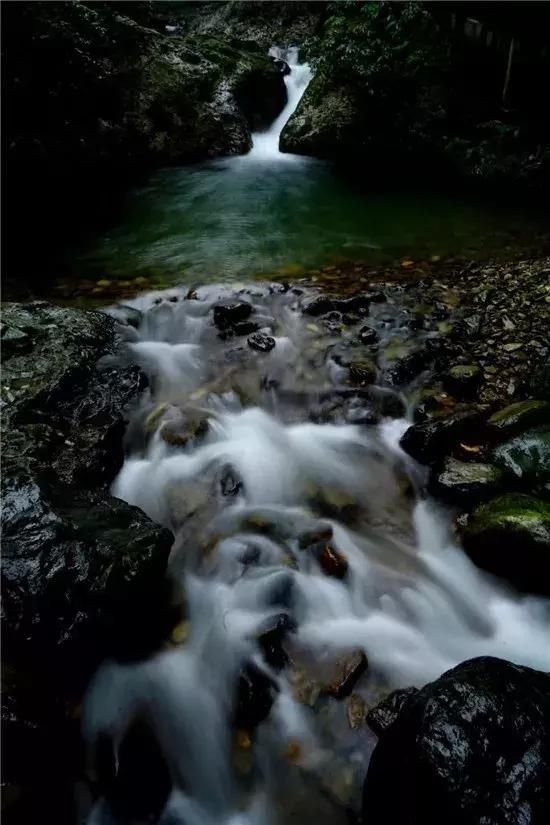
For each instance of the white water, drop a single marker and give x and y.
(265, 145)
(411, 599)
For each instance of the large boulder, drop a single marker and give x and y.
(461, 482)
(510, 537)
(527, 456)
(83, 573)
(472, 747)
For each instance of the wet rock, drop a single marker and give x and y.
(181, 431)
(331, 561)
(510, 537)
(527, 456)
(318, 532)
(230, 483)
(260, 342)
(362, 372)
(227, 313)
(282, 65)
(470, 747)
(272, 637)
(429, 440)
(404, 369)
(381, 717)
(356, 711)
(346, 672)
(519, 416)
(358, 304)
(466, 483)
(317, 306)
(463, 380)
(256, 692)
(83, 577)
(368, 335)
(242, 328)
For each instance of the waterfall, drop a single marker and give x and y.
(265, 145)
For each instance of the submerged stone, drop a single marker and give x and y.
(510, 537)
(346, 672)
(461, 482)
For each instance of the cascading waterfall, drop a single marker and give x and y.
(265, 145)
(410, 598)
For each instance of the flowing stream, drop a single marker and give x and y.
(293, 513)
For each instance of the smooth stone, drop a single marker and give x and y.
(468, 748)
(403, 370)
(272, 637)
(260, 342)
(510, 537)
(465, 483)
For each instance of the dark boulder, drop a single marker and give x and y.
(228, 313)
(320, 305)
(429, 440)
(261, 94)
(83, 573)
(256, 692)
(472, 747)
(382, 716)
(463, 380)
(510, 537)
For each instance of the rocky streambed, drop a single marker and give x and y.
(288, 444)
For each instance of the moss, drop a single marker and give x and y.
(520, 415)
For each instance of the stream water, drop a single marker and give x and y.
(295, 513)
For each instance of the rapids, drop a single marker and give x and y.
(410, 598)
(242, 454)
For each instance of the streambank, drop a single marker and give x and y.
(266, 442)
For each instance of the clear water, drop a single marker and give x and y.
(240, 217)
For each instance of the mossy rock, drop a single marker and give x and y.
(510, 537)
(464, 483)
(527, 456)
(463, 380)
(519, 416)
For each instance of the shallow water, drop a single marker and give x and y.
(245, 216)
(410, 598)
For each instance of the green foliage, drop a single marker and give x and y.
(380, 48)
